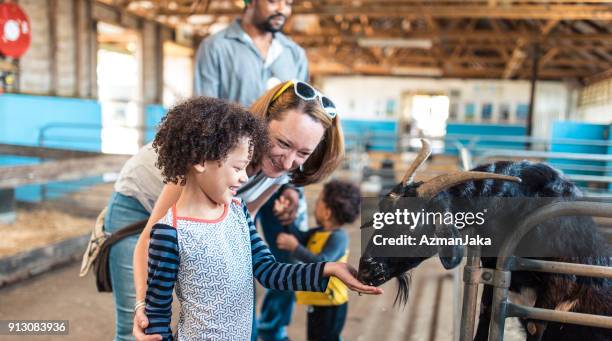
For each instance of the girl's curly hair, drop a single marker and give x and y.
(343, 199)
(204, 129)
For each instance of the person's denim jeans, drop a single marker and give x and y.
(122, 211)
(325, 323)
(277, 306)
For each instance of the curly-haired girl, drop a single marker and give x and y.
(206, 246)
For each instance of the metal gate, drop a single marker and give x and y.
(500, 277)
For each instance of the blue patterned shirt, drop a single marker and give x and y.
(211, 264)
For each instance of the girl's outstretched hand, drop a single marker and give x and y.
(348, 275)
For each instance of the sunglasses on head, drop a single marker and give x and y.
(306, 92)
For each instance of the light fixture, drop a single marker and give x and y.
(142, 4)
(200, 19)
(416, 43)
(416, 71)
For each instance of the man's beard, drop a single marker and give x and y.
(267, 25)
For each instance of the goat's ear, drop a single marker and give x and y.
(450, 255)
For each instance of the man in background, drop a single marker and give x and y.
(250, 56)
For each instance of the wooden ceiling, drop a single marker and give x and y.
(436, 38)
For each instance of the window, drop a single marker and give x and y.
(504, 112)
(487, 112)
(470, 111)
(522, 110)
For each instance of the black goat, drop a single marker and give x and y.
(577, 237)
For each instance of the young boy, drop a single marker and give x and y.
(336, 206)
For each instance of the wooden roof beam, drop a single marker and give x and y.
(599, 77)
(516, 60)
(456, 72)
(548, 56)
(462, 35)
(558, 12)
(546, 28)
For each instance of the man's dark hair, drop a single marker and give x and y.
(204, 129)
(343, 199)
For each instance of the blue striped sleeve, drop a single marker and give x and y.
(280, 276)
(163, 267)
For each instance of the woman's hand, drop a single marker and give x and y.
(140, 323)
(286, 206)
(286, 241)
(348, 275)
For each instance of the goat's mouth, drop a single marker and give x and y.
(372, 272)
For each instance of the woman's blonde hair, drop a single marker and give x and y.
(329, 152)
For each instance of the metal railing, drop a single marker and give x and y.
(44, 136)
(592, 172)
(86, 136)
(471, 141)
(506, 263)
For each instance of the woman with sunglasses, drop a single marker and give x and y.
(306, 146)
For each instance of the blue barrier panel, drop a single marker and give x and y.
(582, 131)
(153, 115)
(477, 129)
(610, 153)
(23, 116)
(9, 160)
(381, 135)
(69, 123)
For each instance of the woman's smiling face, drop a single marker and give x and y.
(292, 140)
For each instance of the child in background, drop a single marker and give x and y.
(337, 205)
(207, 245)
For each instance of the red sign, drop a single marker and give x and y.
(15, 30)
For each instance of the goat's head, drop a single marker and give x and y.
(375, 270)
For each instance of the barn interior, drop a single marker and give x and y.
(85, 83)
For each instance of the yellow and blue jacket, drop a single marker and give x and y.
(323, 246)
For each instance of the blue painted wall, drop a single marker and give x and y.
(383, 134)
(582, 131)
(610, 153)
(77, 126)
(477, 129)
(153, 115)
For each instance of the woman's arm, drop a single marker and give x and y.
(256, 204)
(169, 195)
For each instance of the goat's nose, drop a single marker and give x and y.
(366, 266)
